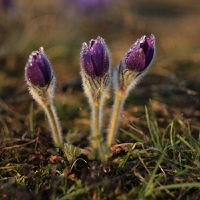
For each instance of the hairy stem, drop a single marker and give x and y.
(54, 123)
(95, 124)
(118, 105)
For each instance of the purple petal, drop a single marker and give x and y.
(141, 53)
(148, 47)
(149, 57)
(99, 57)
(86, 61)
(135, 60)
(38, 70)
(95, 58)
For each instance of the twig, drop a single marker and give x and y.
(19, 146)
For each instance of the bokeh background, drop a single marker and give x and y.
(61, 26)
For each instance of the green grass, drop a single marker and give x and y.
(160, 167)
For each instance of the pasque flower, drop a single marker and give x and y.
(95, 72)
(6, 4)
(141, 53)
(135, 64)
(38, 69)
(95, 69)
(95, 58)
(88, 7)
(127, 74)
(41, 83)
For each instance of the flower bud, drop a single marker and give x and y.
(41, 84)
(95, 58)
(38, 70)
(141, 53)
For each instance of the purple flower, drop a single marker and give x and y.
(38, 69)
(88, 6)
(6, 4)
(140, 55)
(95, 58)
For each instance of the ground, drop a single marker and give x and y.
(156, 154)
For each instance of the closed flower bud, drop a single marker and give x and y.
(127, 75)
(95, 58)
(95, 73)
(38, 70)
(140, 55)
(41, 84)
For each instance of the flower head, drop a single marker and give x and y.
(88, 6)
(6, 4)
(141, 53)
(38, 70)
(95, 58)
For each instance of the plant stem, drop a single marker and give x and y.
(31, 120)
(54, 123)
(95, 124)
(120, 97)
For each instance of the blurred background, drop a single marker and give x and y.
(61, 26)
